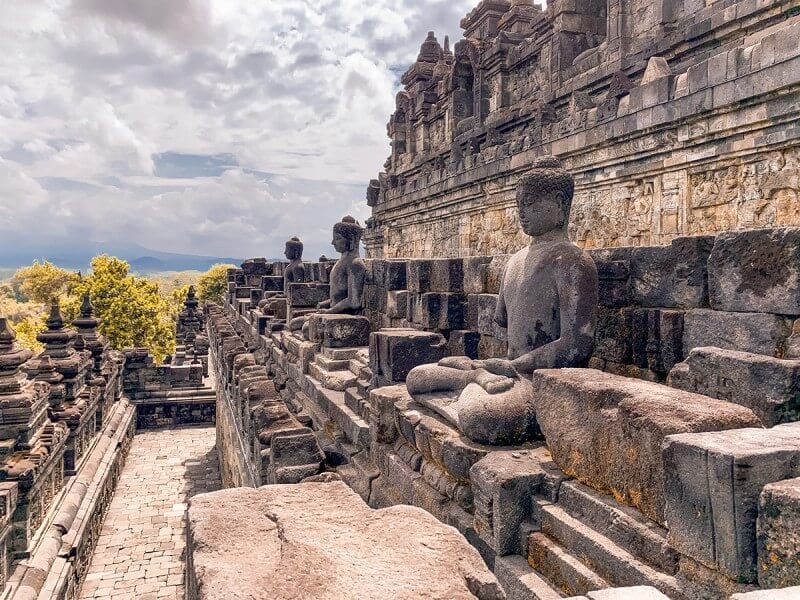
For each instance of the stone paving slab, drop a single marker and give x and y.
(140, 552)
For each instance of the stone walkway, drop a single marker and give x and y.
(139, 554)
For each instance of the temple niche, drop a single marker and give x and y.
(626, 93)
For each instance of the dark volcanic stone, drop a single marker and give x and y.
(756, 271)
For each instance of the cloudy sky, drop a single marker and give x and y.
(215, 127)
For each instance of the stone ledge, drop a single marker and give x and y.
(320, 541)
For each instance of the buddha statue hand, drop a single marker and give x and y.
(497, 366)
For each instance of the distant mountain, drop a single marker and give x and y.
(77, 254)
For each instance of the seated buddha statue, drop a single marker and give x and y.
(347, 276)
(295, 272)
(547, 302)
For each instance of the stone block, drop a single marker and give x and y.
(770, 387)
(339, 331)
(759, 333)
(504, 483)
(419, 274)
(286, 541)
(394, 274)
(476, 269)
(606, 430)
(673, 276)
(613, 285)
(756, 271)
(656, 338)
(447, 275)
(494, 273)
(382, 426)
(307, 295)
(712, 483)
(271, 283)
(442, 310)
(778, 534)
(394, 352)
(491, 347)
(294, 456)
(486, 304)
(613, 335)
(279, 307)
(397, 304)
(463, 343)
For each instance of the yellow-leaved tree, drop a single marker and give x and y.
(132, 310)
(43, 281)
(213, 284)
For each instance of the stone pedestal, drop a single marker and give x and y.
(339, 331)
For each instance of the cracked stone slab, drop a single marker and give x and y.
(320, 541)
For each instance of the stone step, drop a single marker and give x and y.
(363, 386)
(353, 400)
(340, 353)
(624, 526)
(569, 575)
(338, 381)
(520, 581)
(330, 364)
(603, 556)
(355, 367)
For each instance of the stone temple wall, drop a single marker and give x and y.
(669, 462)
(676, 117)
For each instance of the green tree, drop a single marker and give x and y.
(213, 284)
(43, 281)
(132, 310)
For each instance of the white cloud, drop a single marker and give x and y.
(93, 90)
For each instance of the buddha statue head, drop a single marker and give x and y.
(294, 249)
(347, 235)
(544, 197)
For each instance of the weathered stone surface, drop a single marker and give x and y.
(779, 534)
(397, 304)
(503, 484)
(294, 456)
(394, 352)
(712, 484)
(419, 274)
(441, 310)
(673, 276)
(303, 295)
(338, 331)
(792, 593)
(759, 333)
(756, 271)
(770, 387)
(613, 274)
(655, 337)
(320, 541)
(607, 431)
(640, 592)
(463, 343)
(395, 275)
(382, 425)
